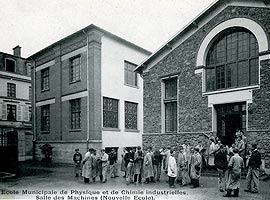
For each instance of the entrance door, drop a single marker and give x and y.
(8, 151)
(230, 117)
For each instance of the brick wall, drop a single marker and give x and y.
(194, 116)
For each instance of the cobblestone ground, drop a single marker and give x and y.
(61, 178)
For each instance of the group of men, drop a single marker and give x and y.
(230, 162)
(182, 165)
(92, 166)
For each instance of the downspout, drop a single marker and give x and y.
(34, 107)
(87, 89)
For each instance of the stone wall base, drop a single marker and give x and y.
(63, 151)
(157, 141)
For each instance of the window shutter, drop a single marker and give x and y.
(19, 113)
(26, 113)
(4, 111)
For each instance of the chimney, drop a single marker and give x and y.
(17, 51)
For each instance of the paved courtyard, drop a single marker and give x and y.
(59, 183)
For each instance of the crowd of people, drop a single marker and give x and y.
(229, 162)
(182, 164)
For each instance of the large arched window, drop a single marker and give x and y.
(232, 60)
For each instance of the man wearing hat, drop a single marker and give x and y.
(195, 168)
(77, 158)
(253, 170)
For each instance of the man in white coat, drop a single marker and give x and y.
(172, 169)
(104, 163)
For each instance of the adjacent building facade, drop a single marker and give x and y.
(212, 76)
(86, 94)
(15, 105)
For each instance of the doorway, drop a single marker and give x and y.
(230, 117)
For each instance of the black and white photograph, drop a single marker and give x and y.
(135, 99)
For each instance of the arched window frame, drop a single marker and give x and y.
(249, 24)
(232, 60)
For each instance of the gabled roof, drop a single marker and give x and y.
(94, 27)
(168, 46)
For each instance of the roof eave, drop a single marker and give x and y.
(185, 29)
(94, 27)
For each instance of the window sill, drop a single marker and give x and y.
(11, 97)
(170, 132)
(111, 129)
(133, 86)
(75, 130)
(132, 130)
(232, 90)
(45, 90)
(72, 82)
(45, 132)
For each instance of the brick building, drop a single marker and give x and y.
(213, 75)
(87, 95)
(15, 104)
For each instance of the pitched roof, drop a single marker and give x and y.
(168, 46)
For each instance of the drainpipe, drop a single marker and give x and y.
(34, 107)
(87, 89)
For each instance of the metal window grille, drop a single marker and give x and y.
(131, 115)
(130, 75)
(75, 69)
(45, 118)
(110, 112)
(11, 90)
(75, 114)
(45, 79)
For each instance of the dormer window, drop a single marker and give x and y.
(10, 65)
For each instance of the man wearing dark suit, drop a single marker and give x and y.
(253, 170)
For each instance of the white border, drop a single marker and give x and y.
(74, 96)
(46, 102)
(249, 24)
(45, 65)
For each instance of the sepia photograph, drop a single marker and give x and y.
(135, 99)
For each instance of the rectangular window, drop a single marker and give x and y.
(254, 72)
(231, 47)
(130, 75)
(30, 93)
(220, 70)
(110, 112)
(243, 50)
(11, 112)
(243, 73)
(45, 118)
(11, 90)
(231, 75)
(28, 69)
(75, 114)
(131, 115)
(30, 113)
(45, 79)
(171, 116)
(220, 54)
(75, 69)
(10, 65)
(170, 103)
